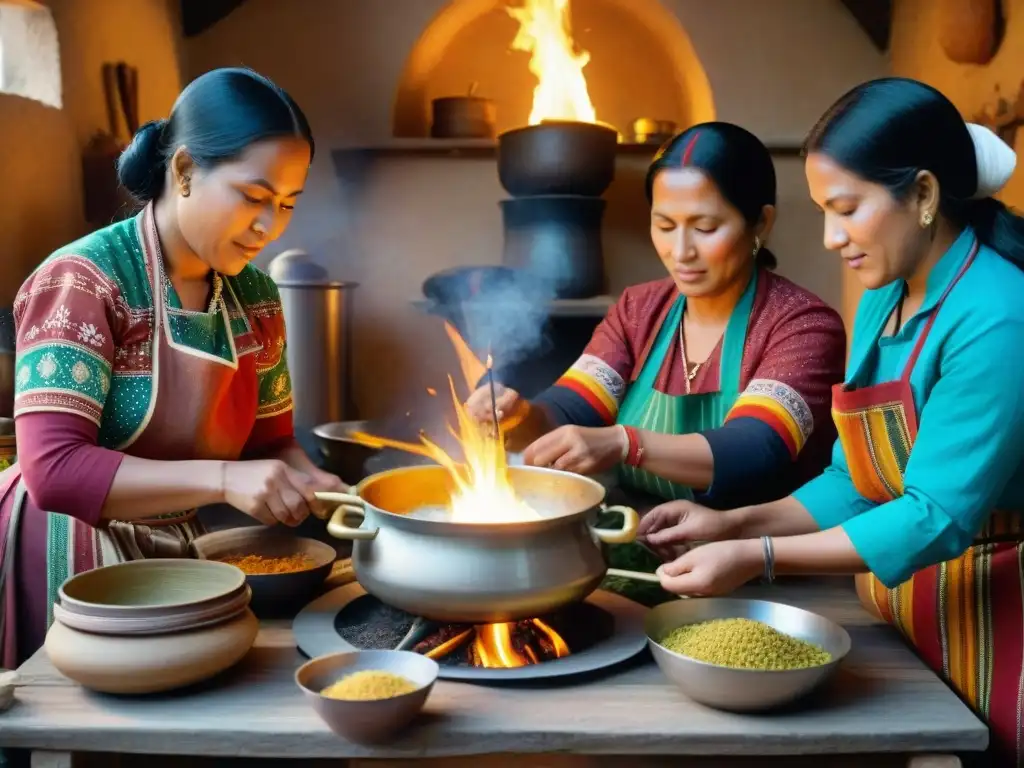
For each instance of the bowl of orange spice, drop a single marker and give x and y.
(283, 570)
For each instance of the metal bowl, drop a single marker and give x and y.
(342, 455)
(744, 690)
(367, 722)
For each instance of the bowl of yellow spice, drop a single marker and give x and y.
(744, 655)
(368, 696)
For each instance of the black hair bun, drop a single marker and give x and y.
(142, 165)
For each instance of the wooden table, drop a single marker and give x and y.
(883, 702)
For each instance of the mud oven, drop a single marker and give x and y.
(519, 80)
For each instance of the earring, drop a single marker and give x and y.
(757, 245)
(186, 187)
(926, 220)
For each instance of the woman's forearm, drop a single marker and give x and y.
(145, 488)
(785, 517)
(817, 554)
(683, 459)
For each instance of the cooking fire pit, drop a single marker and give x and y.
(599, 632)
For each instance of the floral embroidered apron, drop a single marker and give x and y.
(950, 612)
(201, 408)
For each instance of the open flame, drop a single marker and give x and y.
(497, 646)
(545, 32)
(483, 492)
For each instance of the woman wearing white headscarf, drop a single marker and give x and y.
(924, 499)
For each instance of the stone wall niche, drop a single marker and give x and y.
(642, 64)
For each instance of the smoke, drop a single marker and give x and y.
(507, 319)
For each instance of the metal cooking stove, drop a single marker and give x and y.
(323, 626)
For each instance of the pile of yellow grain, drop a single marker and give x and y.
(369, 685)
(744, 644)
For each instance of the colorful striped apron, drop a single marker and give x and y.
(964, 617)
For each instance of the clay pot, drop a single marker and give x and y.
(557, 158)
(140, 664)
(158, 593)
(213, 613)
(969, 30)
(462, 117)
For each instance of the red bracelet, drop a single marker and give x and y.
(635, 455)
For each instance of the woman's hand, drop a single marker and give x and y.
(584, 450)
(325, 481)
(716, 568)
(671, 528)
(511, 406)
(270, 491)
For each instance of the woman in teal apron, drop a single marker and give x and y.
(713, 383)
(924, 499)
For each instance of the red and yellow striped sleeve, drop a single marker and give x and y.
(781, 407)
(597, 383)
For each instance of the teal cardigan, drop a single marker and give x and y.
(968, 386)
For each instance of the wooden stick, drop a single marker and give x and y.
(635, 575)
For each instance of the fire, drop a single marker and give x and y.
(483, 492)
(545, 32)
(498, 646)
(494, 647)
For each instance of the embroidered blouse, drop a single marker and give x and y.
(777, 434)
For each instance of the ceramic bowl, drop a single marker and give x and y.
(272, 591)
(140, 664)
(367, 722)
(157, 590)
(744, 690)
(212, 613)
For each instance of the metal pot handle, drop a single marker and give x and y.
(347, 505)
(625, 534)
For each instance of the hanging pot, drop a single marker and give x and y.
(969, 30)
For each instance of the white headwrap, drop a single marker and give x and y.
(996, 160)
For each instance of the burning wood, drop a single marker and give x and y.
(502, 646)
(443, 642)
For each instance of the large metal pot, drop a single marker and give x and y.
(477, 573)
(557, 158)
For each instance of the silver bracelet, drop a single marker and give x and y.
(769, 559)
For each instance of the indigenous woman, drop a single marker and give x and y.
(925, 493)
(151, 374)
(714, 382)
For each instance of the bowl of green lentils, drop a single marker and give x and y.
(744, 655)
